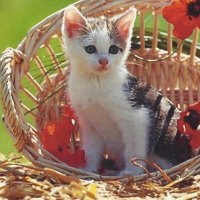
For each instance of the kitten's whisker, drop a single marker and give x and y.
(39, 68)
(49, 63)
(46, 73)
(45, 62)
(60, 62)
(64, 62)
(44, 100)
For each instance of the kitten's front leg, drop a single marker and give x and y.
(133, 150)
(93, 147)
(135, 139)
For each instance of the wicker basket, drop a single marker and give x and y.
(39, 60)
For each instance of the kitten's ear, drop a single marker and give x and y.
(124, 23)
(73, 21)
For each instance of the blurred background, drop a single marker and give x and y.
(16, 18)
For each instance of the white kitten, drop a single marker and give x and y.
(97, 49)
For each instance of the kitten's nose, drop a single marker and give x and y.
(103, 61)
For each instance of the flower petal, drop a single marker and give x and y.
(195, 139)
(195, 106)
(174, 13)
(180, 126)
(198, 22)
(184, 28)
(177, 14)
(184, 2)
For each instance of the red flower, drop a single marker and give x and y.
(184, 15)
(75, 159)
(188, 124)
(69, 113)
(56, 136)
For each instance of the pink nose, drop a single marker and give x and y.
(103, 61)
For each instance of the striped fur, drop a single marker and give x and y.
(164, 139)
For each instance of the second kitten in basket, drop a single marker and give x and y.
(117, 114)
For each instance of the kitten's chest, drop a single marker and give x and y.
(91, 95)
(103, 122)
(98, 104)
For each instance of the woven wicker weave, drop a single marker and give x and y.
(32, 93)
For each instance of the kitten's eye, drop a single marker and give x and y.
(90, 49)
(113, 49)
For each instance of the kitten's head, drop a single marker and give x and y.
(97, 45)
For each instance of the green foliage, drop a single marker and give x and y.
(16, 18)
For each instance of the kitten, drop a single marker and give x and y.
(117, 113)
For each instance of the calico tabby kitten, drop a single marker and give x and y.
(117, 113)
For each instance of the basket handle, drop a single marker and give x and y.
(10, 71)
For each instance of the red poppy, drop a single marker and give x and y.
(56, 136)
(188, 124)
(69, 113)
(184, 15)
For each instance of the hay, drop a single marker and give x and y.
(20, 181)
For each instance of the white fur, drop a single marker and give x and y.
(107, 121)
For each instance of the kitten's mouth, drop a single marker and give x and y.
(102, 68)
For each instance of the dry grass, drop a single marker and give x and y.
(19, 181)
